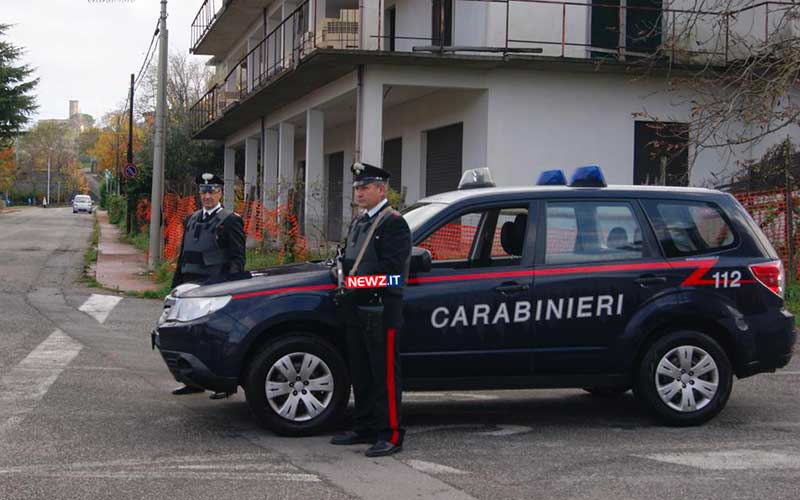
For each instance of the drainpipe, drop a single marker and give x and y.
(359, 109)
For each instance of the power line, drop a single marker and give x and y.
(148, 55)
(140, 79)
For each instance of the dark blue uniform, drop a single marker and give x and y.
(374, 325)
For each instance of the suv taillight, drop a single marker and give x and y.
(770, 274)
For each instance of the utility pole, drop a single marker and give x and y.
(131, 218)
(157, 194)
(48, 177)
(130, 125)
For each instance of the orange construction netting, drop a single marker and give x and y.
(279, 224)
(768, 209)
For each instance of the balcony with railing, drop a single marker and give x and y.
(492, 30)
(218, 24)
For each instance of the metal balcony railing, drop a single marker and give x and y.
(548, 29)
(205, 19)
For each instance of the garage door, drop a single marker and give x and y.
(443, 159)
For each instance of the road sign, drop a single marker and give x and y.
(130, 171)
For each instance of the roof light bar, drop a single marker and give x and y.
(588, 176)
(476, 178)
(552, 178)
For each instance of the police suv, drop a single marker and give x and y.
(666, 291)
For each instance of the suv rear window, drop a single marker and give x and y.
(687, 228)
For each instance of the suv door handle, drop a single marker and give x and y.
(650, 280)
(510, 289)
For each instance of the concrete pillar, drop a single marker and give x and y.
(316, 15)
(285, 160)
(315, 177)
(371, 115)
(229, 177)
(269, 167)
(250, 167)
(370, 19)
(289, 37)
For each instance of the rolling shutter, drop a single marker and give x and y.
(335, 186)
(443, 159)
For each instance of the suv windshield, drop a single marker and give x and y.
(418, 213)
(82, 199)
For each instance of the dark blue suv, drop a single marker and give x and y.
(666, 291)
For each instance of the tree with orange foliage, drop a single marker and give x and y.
(111, 147)
(8, 169)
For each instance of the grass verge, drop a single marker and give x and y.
(90, 257)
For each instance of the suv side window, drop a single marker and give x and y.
(687, 228)
(492, 237)
(592, 231)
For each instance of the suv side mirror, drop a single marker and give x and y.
(420, 260)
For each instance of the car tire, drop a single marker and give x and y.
(606, 391)
(302, 412)
(684, 378)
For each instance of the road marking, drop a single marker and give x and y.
(433, 468)
(731, 459)
(386, 478)
(447, 395)
(507, 430)
(28, 382)
(185, 467)
(100, 306)
(439, 428)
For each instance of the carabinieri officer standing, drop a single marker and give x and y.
(375, 315)
(213, 246)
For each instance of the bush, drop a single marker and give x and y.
(117, 208)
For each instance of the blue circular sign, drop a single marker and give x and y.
(130, 171)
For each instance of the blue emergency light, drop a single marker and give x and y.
(588, 176)
(552, 178)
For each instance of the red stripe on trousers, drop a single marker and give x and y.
(390, 385)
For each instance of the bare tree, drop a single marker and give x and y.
(735, 64)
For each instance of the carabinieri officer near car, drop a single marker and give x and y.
(213, 246)
(375, 316)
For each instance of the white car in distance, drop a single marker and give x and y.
(82, 203)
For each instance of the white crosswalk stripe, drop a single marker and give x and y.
(100, 306)
(27, 383)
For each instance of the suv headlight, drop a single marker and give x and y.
(191, 309)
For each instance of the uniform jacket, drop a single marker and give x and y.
(389, 252)
(230, 238)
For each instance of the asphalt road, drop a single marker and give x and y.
(85, 412)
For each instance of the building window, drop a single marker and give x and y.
(660, 153)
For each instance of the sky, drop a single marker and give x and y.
(86, 50)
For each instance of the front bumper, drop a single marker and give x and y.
(188, 369)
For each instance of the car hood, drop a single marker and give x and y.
(275, 278)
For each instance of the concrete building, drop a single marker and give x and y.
(429, 88)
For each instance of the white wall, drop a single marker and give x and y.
(545, 120)
(410, 121)
(484, 24)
